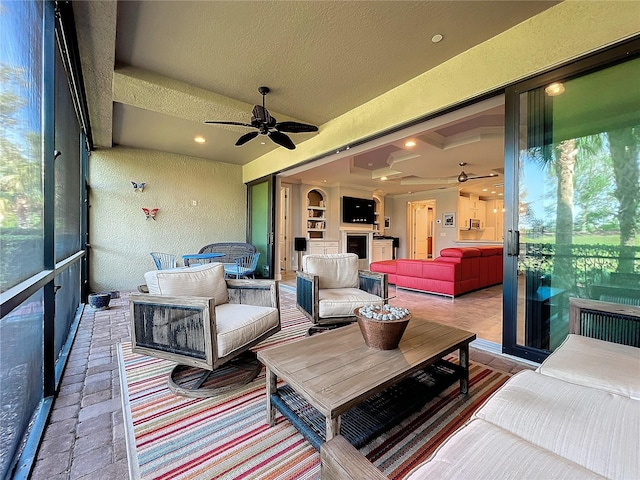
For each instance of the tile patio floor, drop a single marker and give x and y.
(84, 439)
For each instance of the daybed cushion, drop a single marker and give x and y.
(596, 363)
(587, 426)
(198, 281)
(341, 302)
(480, 450)
(239, 324)
(339, 270)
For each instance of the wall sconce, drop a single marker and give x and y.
(150, 213)
(138, 186)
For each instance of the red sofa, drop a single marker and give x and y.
(454, 272)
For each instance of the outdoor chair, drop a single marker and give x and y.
(330, 287)
(206, 324)
(244, 267)
(163, 261)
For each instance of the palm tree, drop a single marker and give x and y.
(623, 145)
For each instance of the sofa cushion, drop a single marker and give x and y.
(341, 302)
(460, 252)
(239, 324)
(384, 266)
(489, 251)
(480, 450)
(588, 426)
(338, 270)
(596, 363)
(198, 281)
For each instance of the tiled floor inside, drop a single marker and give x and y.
(85, 436)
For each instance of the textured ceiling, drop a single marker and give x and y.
(156, 70)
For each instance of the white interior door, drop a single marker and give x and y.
(283, 236)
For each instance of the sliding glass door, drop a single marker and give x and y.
(261, 222)
(571, 178)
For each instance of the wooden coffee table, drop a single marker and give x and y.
(336, 371)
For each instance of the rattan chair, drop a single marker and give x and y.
(244, 266)
(164, 261)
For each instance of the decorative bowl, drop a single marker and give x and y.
(381, 334)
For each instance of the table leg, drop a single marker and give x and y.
(271, 382)
(464, 364)
(333, 427)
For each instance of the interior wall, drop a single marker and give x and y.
(446, 200)
(120, 236)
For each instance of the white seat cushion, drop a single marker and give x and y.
(479, 450)
(596, 363)
(338, 270)
(341, 302)
(198, 281)
(587, 426)
(239, 324)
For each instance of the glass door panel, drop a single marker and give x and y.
(575, 231)
(261, 223)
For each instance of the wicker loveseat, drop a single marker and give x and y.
(230, 250)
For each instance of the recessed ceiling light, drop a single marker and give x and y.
(370, 164)
(437, 38)
(484, 189)
(324, 181)
(383, 178)
(410, 143)
(263, 143)
(493, 191)
(500, 194)
(199, 139)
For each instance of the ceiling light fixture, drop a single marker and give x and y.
(554, 89)
(437, 38)
(410, 143)
(383, 178)
(199, 139)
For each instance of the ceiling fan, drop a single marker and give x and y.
(267, 125)
(463, 177)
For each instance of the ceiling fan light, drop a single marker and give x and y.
(462, 177)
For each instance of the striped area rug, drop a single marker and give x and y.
(227, 437)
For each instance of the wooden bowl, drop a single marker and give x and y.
(381, 334)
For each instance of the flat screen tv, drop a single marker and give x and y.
(358, 210)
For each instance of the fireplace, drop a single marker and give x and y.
(357, 244)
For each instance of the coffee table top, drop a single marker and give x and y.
(336, 370)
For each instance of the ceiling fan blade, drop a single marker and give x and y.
(282, 139)
(483, 176)
(246, 137)
(240, 124)
(295, 127)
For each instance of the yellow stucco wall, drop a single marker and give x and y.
(564, 32)
(120, 237)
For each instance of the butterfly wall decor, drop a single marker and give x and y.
(150, 213)
(138, 186)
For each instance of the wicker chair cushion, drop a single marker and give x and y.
(239, 324)
(338, 270)
(198, 281)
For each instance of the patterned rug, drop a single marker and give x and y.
(227, 437)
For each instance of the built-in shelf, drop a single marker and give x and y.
(316, 214)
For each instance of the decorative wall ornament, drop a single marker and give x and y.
(150, 213)
(138, 186)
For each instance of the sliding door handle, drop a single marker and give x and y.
(513, 243)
